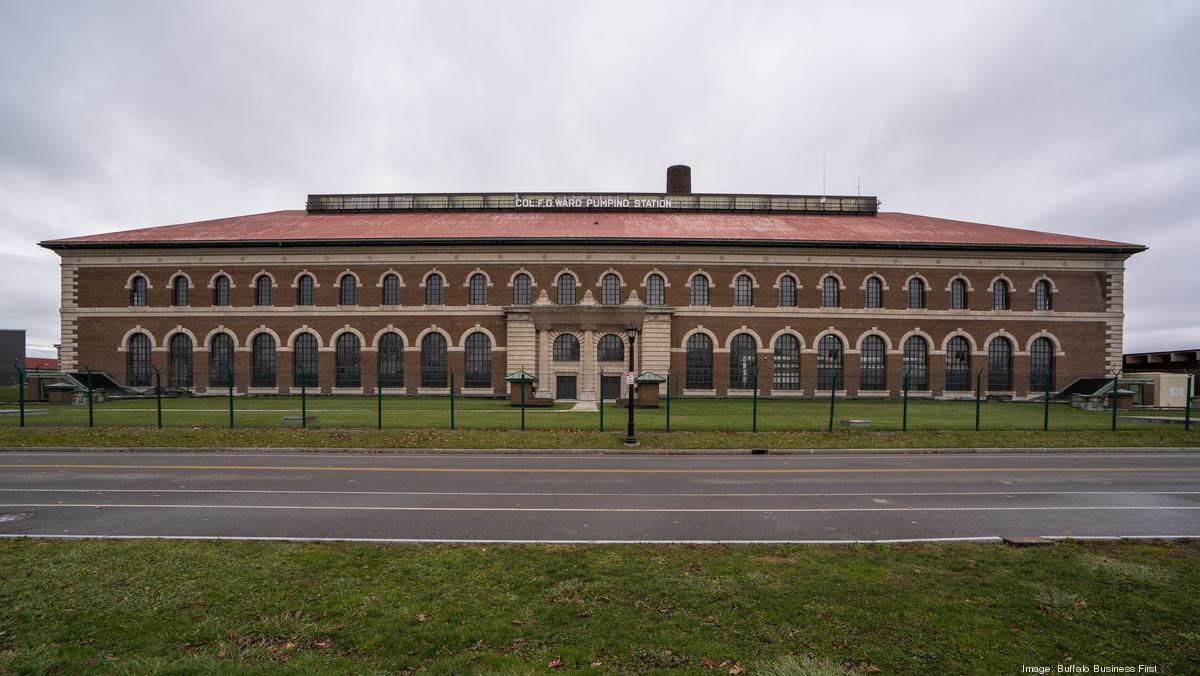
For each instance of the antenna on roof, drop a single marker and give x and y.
(860, 186)
(822, 177)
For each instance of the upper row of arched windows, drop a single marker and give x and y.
(610, 290)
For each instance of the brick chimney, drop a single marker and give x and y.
(679, 179)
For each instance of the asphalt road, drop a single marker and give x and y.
(599, 498)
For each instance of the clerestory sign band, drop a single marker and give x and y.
(590, 202)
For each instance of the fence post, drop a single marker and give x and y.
(1046, 404)
(303, 398)
(832, 395)
(1187, 402)
(668, 400)
(601, 401)
(978, 385)
(754, 409)
(158, 394)
(378, 393)
(21, 390)
(229, 380)
(452, 399)
(522, 384)
(904, 416)
(1116, 386)
(91, 414)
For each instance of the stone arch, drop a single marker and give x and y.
(883, 285)
(262, 273)
(296, 279)
(124, 344)
(346, 328)
(478, 329)
(743, 329)
(1058, 350)
(966, 336)
(390, 328)
(138, 273)
(992, 284)
(700, 329)
(565, 271)
(477, 271)
(660, 273)
(1048, 279)
(916, 331)
(831, 331)
(177, 274)
(840, 281)
(1016, 345)
(702, 273)
(212, 281)
(739, 273)
(433, 271)
(432, 328)
(788, 331)
(348, 271)
(305, 328)
(966, 280)
(917, 275)
(874, 331)
(262, 328)
(610, 271)
(208, 338)
(513, 277)
(390, 271)
(787, 273)
(178, 328)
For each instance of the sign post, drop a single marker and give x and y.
(978, 385)
(832, 398)
(522, 384)
(229, 381)
(91, 416)
(754, 409)
(668, 400)
(1187, 402)
(452, 399)
(158, 394)
(21, 390)
(601, 400)
(904, 416)
(1116, 388)
(378, 394)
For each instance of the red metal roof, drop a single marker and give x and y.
(546, 226)
(40, 363)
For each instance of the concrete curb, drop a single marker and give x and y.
(595, 451)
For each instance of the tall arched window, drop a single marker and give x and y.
(566, 348)
(522, 289)
(348, 290)
(874, 292)
(305, 367)
(221, 290)
(610, 290)
(873, 364)
(830, 354)
(137, 366)
(1000, 365)
(916, 362)
(787, 291)
(179, 290)
(348, 361)
(139, 291)
(655, 287)
(916, 293)
(262, 361)
(743, 291)
(699, 290)
(610, 348)
(478, 289)
(699, 361)
(958, 365)
(1000, 295)
(1041, 365)
(262, 290)
(220, 360)
(743, 360)
(787, 363)
(1041, 295)
(478, 361)
(433, 361)
(434, 288)
(958, 294)
(391, 360)
(391, 289)
(830, 292)
(566, 289)
(306, 290)
(180, 360)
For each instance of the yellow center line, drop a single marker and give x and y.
(578, 470)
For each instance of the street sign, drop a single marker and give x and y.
(629, 377)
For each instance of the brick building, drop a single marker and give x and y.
(799, 294)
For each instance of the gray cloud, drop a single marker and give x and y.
(1074, 117)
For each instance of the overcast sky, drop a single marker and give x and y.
(1074, 117)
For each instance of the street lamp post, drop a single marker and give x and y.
(630, 440)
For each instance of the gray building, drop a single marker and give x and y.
(12, 352)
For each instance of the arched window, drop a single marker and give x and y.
(787, 291)
(610, 348)
(874, 292)
(522, 289)
(221, 290)
(262, 290)
(139, 292)
(305, 367)
(566, 348)
(699, 361)
(610, 290)
(1000, 295)
(916, 363)
(434, 286)
(478, 361)
(830, 354)
(1041, 295)
(566, 289)
(306, 290)
(478, 289)
(262, 361)
(743, 361)
(391, 289)
(391, 360)
(180, 360)
(348, 290)
(655, 286)
(348, 361)
(699, 290)
(873, 364)
(1041, 365)
(179, 290)
(137, 371)
(433, 360)
(787, 363)
(830, 292)
(958, 365)
(220, 360)
(743, 291)
(958, 294)
(916, 293)
(1000, 365)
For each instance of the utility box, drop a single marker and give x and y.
(646, 388)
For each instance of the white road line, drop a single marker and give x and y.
(275, 538)
(574, 495)
(757, 510)
(599, 454)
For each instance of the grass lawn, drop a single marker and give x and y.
(170, 606)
